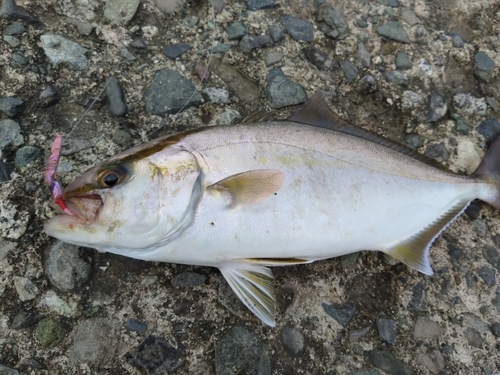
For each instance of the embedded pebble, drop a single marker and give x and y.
(394, 31)
(341, 313)
(437, 152)
(157, 356)
(25, 319)
(236, 30)
(363, 55)
(238, 84)
(489, 128)
(418, 298)
(18, 60)
(261, 4)
(26, 155)
(10, 10)
(293, 341)
(470, 104)
(10, 134)
(53, 303)
(484, 62)
(437, 108)
(492, 256)
(358, 334)
(387, 330)
(427, 329)
(74, 145)
(60, 50)
(495, 329)
(48, 97)
(457, 41)
(25, 288)
(332, 23)
(5, 175)
(221, 48)
(120, 12)
(121, 137)
(84, 28)
(188, 279)
(488, 275)
(369, 84)
(473, 337)
(297, 28)
(133, 324)
(433, 361)
(383, 359)
(173, 51)
(217, 95)
(403, 61)
(138, 43)
(460, 122)
(16, 28)
(318, 58)
(49, 333)
(12, 106)
(349, 259)
(409, 17)
(116, 97)
(350, 70)
(282, 92)
(227, 117)
(390, 3)
(272, 57)
(277, 33)
(398, 78)
(11, 40)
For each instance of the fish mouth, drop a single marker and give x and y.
(85, 208)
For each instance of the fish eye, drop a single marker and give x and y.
(112, 175)
(110, 179)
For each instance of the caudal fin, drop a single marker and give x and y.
(489, 171)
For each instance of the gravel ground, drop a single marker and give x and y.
(420, 72)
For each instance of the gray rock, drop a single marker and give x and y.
(341, 313)
(437, 152)
(155, 355)
(188, 279)
(363, 55)
(389, 3)
(239, 351)
(489, 129)
(348, 259)
(84, 28)
(475, 322)
(318, 58)
(437, 108)
(462, 127)
(394, 31)
(5, 172)
(48, 97)
(276, 33)
(60, 50)
(488, 275)
(49, 333)
(383, 359)
(403, 61)
(25, 319)
(120, 12)
(358, 334)
(236, 30)
(26, 155)
(433, 361)
(297, 28)
(473, 337)
(227, 118)
(74, 145)
(169, 92)
(387, 330)
(173, 51)
(272, 57)
(95, 342)
(495, 329)
(493, 104)
(241, 87)
(138, 43)
(427, 329)
(482, 76)
(217, 95)
(293, 341)
(418, 299)
(190, 22)
(4, 370)
(484, 62)
(398, 78)
(133, 324)
(248, 43)
(12, 106)
(11, 40)
(221, 48)
(457, 41)
(470, 104)
(64, 268)
(9, 10)
(350, 70)
(492, 256)
(18, 60)
(25, 288)
(116, 97)
(361, 23)
(16, 28)
(281, 92)
(332, 23)
(260, 4)
(409, 16)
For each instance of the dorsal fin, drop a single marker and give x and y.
(315, 112)
(256, 115)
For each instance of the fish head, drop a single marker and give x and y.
(128, 205)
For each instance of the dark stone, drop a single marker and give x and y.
(10, 134)
(26, 155)
(319, 59)
(236, 30)
(492, 256)
(121, 137)
(489, 129)
(455, 253)
(495, 329)
(383, 359)
(363, 55)
(264, 40)
(473, 337)
(156, 356)
(350, 70)
(297, 28)
(368, 84)
(25, 319)
(488, 275)
(457, 41)
(281, 92)
(260, 4)
(437, 108)
(16, 28)
(248, 43)
(5, 171)
(221, 48)
(460, 123)
(170, 92)
(133, 324)
(74, 145)
(273, 57)
(173, 51)
(9, 10)
(276, 33)
(349, 259)
(293, 341)
(414, 141)
(481, 76)
(116, 97)
(33, 363)
(418, 299)
(437, 152)
(188, 279)
(387, 330)
(473, 210)
(394, 31)
(332, 23)
(484, 62)
(361, 23)
(48, 97)
(18, 60)
(138, 43)
(389, 3)
(12, 106)
(341, 313)
(398, 78)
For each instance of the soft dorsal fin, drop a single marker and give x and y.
(315, 112)
(257, 115)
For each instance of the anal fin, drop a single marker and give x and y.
(414, 252)
(253, 285)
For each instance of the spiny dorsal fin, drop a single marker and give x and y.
(315, 112)
(251, 186)
(253, 284)
(256, 115)
(414, 252)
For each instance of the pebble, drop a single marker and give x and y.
(358, 334)
(473, 337)
(349, 259)
(433, 361)
(170, 92)
(297, 28)
(457, 41)
(188, 279)
(248, 43)
(398, 78)
(49, 333)
(121, 137)
(418, 299)
(10, 134)
(236, 30)
(116, 97)
(133, 324)
(462, 127)
(48, 97)
(227, 117)
(25, 288)
(470, 104)
(493, 104)
(156, 356)
(138, 43)
(363, 55)
(409, 17)
(173, 51)
(239, 351)
(437, 152)
(427, 329)
(484, 62)
(383, 359)
(350, 70)
(74, 145)
(319, 59)
(394, 31)
(60, 50)
(244, 89)
(489, 129)
(221, 48)
(495, 329)
(492, 256)
(293, 341)
(120, 12)
(26, 155)
(18, 60)
(277, 33)
(84, 28)
(190, 22)
(437, 108)
(260, 4)
(11, 40)
(64, 267)
(387, 330)
(488, 275)
(272, 57)
(390, 3)
(403, 61)
(282, 92)
(332, 23)
(25, 319)
(16, 28)
(30, 362)
(411, 100)
(5, 172)
(341, 313)
(65, 307)
(9, 10)
(12, 106)
(482, 76)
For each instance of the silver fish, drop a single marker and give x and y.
(249, 196)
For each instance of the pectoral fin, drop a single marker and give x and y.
(414, 252)
(253, 286)
(250, 187)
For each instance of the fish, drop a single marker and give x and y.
(263, 193)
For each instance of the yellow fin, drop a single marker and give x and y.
(414, 252)
(275, 262)
(252, 186)
(253, 284)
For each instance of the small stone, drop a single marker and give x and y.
(217, 95)
(332, 23)
(10, 134)
(188, 279)
(236, 30)
(493, 104)
(394, 31)
(358, 334)
(244, 89)
(457, 41)
(349, 259)
(361, 23)
(190, 22)
(409, 16)
(387, 330)
(25, 288)
(433, 361)
(484, 62)
(25, 319)
(60, 50)
(239, 351)
(455, 253)
(318, 58)
(136, 325)
(260, 4)
(48, 97)
(341, 313)
(383, 359)
(138, 43)
(403, 61)
(492, 256)
(276, 33)
(52, 302)
(26, 155)
(474, 338)
(84, 28)
(12, 106)
(49, 333)
(11, 40)
(64, 268)
(16, 28)
(368, 84)
(18, 60)
(74, 145)
(427, 329)
(9, 10)
(281, 92)
(116, 97)
(389, 3)
(227, 117)
(120, 12)
(5, 175)
(30, 362)
(411, 100)
(350, 70)
(481, 76)
(264, 41)
(363, 55)
(202, 72)
(437, 108)
(496, 302)
(418, 299)
(470, 104)
(489, 129)
(272, 57)
(173, 51)
(221, 48)
(462, 127)
(297, 28)
(398, 78)
(293, 341)
(488, 275)
(495, 329)
(121, 137)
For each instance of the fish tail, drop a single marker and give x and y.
(489, 171)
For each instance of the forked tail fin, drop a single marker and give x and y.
(489, 171)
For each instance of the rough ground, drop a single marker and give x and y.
(75, 311)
